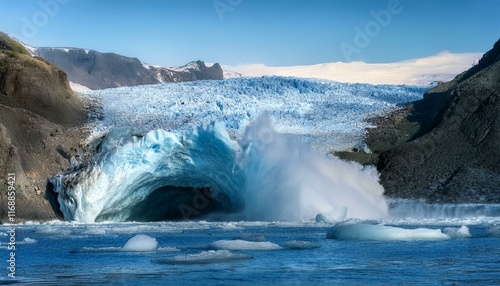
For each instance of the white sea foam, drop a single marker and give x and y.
(334, 216)
(231, 226)
(494, 230)
(421, 210)
(460, 232)
(286, 181)
(54, 231)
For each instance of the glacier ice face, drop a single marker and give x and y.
(148, 178)
(164, 175)
(255, 168)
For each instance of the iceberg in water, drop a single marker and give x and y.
(138, 243)
(239, 244)
(165, 176)
(361, 231)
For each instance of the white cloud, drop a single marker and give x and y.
(441, 67)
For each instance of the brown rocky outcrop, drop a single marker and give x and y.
(38, 113)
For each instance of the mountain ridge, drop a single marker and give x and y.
(97, 70)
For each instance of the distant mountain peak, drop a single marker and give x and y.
(97, 70)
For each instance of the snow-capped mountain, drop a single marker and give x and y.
(125, 71)
(424, 71)
(97, 70)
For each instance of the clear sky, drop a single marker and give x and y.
(270, 32)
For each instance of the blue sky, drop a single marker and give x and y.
(270, 32)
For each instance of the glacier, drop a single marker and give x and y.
(323, 114)
(238, 149)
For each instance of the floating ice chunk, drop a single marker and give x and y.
(335, 216)
(96, 249)
(300, 244)
(252, 237)
(494, 230)
(168, 249)
(460, 232)
(54, 231)
(28, 240)
(95, 231)
(138, 243)
(349, 231)
(230, 226)
(141, 243)
(205, 257)
(239, 244)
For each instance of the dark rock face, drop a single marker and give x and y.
(190, 72)
(36, 85)
(445, 147)
(96, 70)
(38, 111)
(107, 70)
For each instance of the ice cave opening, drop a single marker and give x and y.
(169, 203)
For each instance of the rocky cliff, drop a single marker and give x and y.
(445, 147)
(97, 70)
(38, 116)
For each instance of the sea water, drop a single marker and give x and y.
(461, 251)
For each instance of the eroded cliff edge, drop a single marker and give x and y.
(39, 114)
